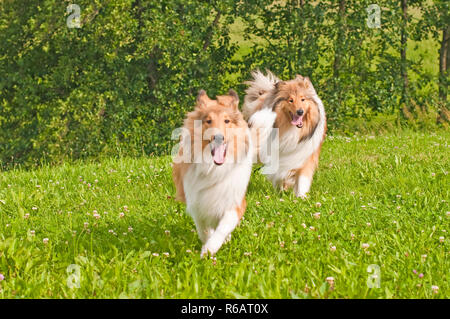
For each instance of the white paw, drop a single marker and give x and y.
(302, 195)
(204, 252)
(302, 187)
(227, 239)
(211, 247)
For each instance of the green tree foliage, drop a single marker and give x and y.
(436, 21)
(123, 81)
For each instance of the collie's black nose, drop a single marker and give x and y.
(219, 138)
(300, 112)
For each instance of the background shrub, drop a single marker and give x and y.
(120, 84)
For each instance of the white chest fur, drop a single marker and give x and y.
(212, 190)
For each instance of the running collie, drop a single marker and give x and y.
(294, 108)
(213, 166)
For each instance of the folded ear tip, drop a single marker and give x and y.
(277, 85)
(232, 93)
(202, 98)
(202, 95)
(308, 81)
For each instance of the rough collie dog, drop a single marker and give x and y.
(212, 168)
(294, 108)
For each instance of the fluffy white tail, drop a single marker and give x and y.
(260, 119)
(256, 92)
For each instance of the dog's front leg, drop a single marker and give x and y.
(226, 225)
(204, 232)
(305, 175)
(302, 186)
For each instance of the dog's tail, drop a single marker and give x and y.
(260, 84)
(260, 119)
(256, 92)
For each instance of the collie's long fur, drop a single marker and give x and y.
(294, 108)
(213, 181)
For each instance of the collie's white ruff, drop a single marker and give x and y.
(292, 154)
(212, 195)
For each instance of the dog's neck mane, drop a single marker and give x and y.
(318, 131)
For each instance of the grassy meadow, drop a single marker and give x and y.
(111, 229)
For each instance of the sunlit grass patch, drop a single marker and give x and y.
(376, 200)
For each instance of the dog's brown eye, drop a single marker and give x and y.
(208, 121)
(303, 100)
(227, 121)
(291, 100)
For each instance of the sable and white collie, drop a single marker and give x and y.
(294, 108)
(212, 168)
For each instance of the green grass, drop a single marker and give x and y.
(390, 191)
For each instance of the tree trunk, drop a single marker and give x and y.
(444, 62)
(403, 62)
(340, 39)
(444, 59)
(290, 36)
(298, 40)
(210, 34)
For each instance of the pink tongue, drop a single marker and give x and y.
(297, 120)
(219, 153)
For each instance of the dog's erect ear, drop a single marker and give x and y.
(304, 82)
(307, 81)
(234, 99)
(229, 100)
(202, 99)
(279, 84)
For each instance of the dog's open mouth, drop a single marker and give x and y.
(218, 152)
(297, 120)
